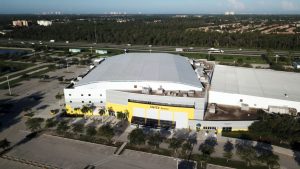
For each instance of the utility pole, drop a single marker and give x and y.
(150, 48)
(276, 56)
(95, 30)
(8, 85)
(67, 66)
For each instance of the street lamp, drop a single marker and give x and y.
(276, 56)
(33, 52)
(67, 65)
(150, 48)
(8, 85)
(209, 55)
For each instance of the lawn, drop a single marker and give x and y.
(16, 82)
(227, 58)
(11, 66)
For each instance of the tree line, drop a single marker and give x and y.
(170, 31)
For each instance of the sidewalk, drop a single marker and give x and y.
(222, 139)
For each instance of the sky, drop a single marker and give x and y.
(151, 6)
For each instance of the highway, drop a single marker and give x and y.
(145, 48)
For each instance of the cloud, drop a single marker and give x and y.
(288, 5)
(236, 4)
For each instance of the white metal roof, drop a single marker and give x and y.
(256, 82)
(160, 67)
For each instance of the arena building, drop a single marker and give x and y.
(154, 89)
(162, 90)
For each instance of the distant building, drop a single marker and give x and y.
(229, 13)
(44, 23)
(181, 16)
(20, 23)
(75, 50)
(101, 52)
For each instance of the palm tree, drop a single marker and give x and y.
(4, 144)
(246, 151)
(59, 97)
(101, 112)
(154, 140)
(126, 113)
(137, 137)
(34, 124)
(85, 109)
(175, 144)
(110, 111)
(228, 147)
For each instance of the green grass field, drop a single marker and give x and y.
(11, 66)
(17, 82)
(226, 58)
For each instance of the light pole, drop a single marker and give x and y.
(276, 56)
(33, 52)
(150, 48)
(8, 85)
(67, 65)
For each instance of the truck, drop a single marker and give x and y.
(213, 50)
(179, 49)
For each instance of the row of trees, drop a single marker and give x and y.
(62, 127)
(169, 32)
(246, 150)
(282, 127)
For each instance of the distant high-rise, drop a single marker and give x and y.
(20, 23)
(44, 23)
(229, 13)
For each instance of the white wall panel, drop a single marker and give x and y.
(252, 101)
(139, 112)
(166, 115)
(152, 114)
(181, 119)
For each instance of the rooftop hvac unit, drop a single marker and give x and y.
(191, 93)
(212, 109)
(245, 107)
(146, 90)
(160, 90)
(203, 79)
(279, 109)
(197, 64)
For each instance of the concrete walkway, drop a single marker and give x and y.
(121, 148)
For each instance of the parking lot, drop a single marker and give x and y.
(55, 151)
(65, 153)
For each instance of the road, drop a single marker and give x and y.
(147, 48)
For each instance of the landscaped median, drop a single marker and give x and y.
(15, 79)
(180, 146)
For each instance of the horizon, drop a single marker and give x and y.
(189, 7)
